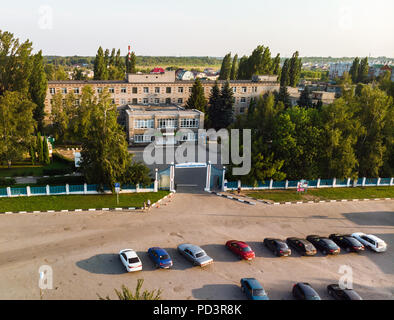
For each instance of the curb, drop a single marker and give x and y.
(91, 209)
(232, 198)
(327, 201)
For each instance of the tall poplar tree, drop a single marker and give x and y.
(225, 70)
(294, 69)
(363, 70)
(284, 75)
(213, 112)
(354, 70)
(197, 97)
(234, 68)
(100, 66)
(38, 88)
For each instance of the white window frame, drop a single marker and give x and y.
(146, 89)
(142, 138)
(157, 89)
(244, 89)
(76, 90)
(167, 123)
(123, 90)
(52, 90)
(111, 90)
(64, 90)
(180, 89)
(143, 123)
(189, 123)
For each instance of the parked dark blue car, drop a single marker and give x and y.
(253, 289)
(160, 257)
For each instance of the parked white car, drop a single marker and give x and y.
(130, 260)
(371, 241)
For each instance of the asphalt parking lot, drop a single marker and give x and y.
(82, 249)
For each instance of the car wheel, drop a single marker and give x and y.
(348, 249)
(324, 252)
(330, 292)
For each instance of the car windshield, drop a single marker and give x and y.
(308, 246)
(282, 245)
(164, 257)
(246, 249)
(380, 244)
(258, 292)
(353, 241)
(331, 244)
(200, 254)
(134, 260)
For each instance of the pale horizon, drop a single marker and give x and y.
(337, 29)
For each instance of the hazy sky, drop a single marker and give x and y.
(204, 27)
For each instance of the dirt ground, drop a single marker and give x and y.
(82, 249)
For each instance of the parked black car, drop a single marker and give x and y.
(325, 245)
(337, 293)
(347, 242)
(277, 246)
(302, 246)
(304, 291)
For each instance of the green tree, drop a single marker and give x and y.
(243, 67)
(78, 74)
(354, 69)
(363, 71)
(284, 97)
(284, 75)
(16, 126)
(45, 149)
(58, 117)
(225, 70)
(295, 65)
(305, 99)
(197, 97)
(276, 65)
(105, 158)
(372, 110)
(38, 87)
(234, 68)
(214, 107)
(100, 66)
(339, 136)
(131, 63)
(15, 63)
(226, 106)
(39, 148)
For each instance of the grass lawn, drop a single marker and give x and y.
(44, 203)
(323, 194)
(21, 170)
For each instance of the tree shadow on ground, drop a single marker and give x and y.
(378, 218)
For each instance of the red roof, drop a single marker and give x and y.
(157, 70)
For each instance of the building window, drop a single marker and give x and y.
(244, 89)
(243, 100)
(111, 90)
(113, 101)
(235, 89)
(123, 101)
(254, 89)
(141, 138)
(52, 90)
(123, 90)
(77, 102)
(167, 123)
(168, 90)
(180, 100)
(146, 90)
(190, 136)
(135, 101)
(168, 100)
(64, 90)
(190, 89)
(135, 90)
(143, 124)
(242, 110)
(189, 123)
(180, 89)
(157, 89)
(157, 100)
(145, 101)
(76, 90)
(99, 90)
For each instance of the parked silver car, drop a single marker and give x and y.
(195, 254)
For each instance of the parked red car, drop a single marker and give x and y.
(241, 249)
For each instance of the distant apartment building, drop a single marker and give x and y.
(324, 96)
(158, 88)
(161, 124)
(338, 69)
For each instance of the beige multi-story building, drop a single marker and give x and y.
(161, 124)
(161, 88)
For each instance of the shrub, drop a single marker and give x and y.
(126, 293)
(56, 171)
(61, 180)
(7, 182)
